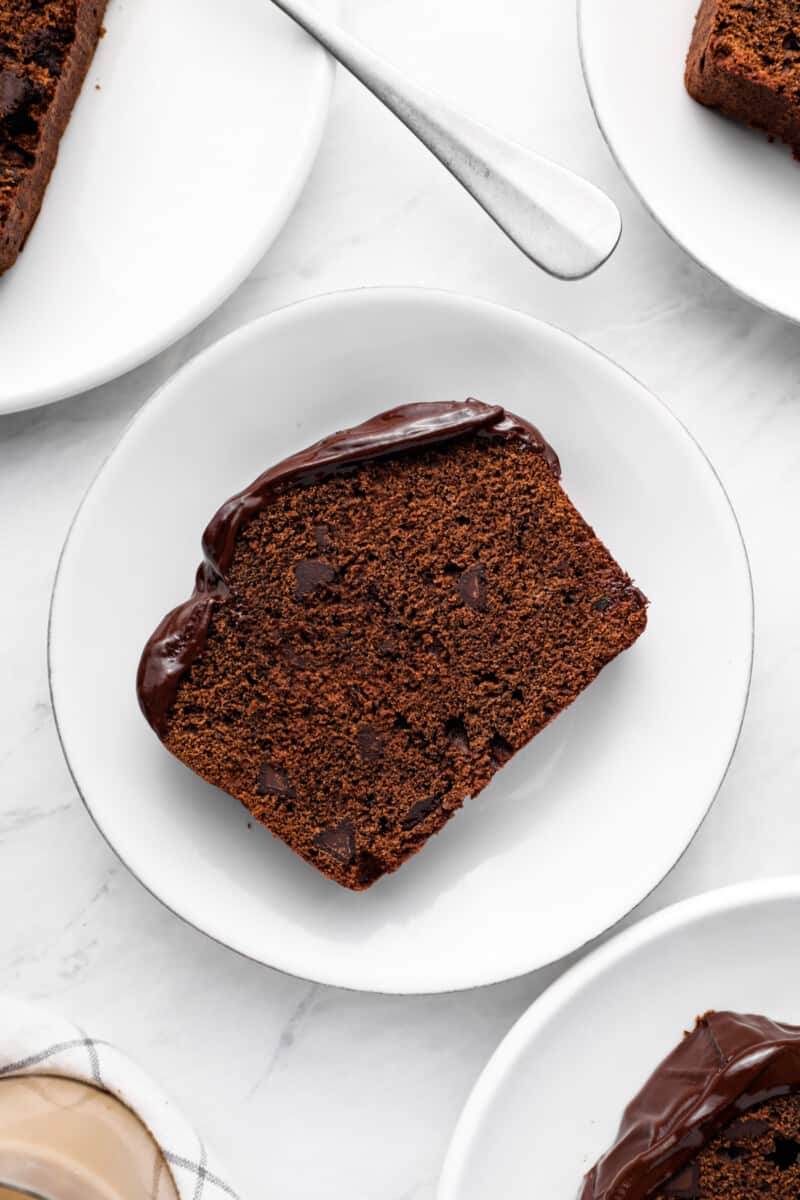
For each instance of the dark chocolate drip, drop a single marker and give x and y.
(412, 427)
(181, 636)
(727, 1064)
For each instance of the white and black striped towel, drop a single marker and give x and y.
(35, 1042)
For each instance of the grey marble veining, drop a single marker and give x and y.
(306, 1091)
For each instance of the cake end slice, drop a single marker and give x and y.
(744, 60)
(46, 47)
(718, 1119)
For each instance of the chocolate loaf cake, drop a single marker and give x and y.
(744, 59)
(45, 50)
(719, 1119)
(380, 623)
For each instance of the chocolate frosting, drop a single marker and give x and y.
(727, 1064)
(182, 634)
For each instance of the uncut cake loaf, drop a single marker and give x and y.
(744, 59)
(380, 623)
(719, 1119)
(45, 50)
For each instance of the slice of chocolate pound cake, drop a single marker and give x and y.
(719, 1119)
(744, 60)
(381, 622)
(45, 50)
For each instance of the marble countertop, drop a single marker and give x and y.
(306, 1091)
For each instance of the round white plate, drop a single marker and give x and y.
(572, 833)
(727, 196)
(171, 183)
(550, 1100)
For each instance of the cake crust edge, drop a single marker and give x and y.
(713, 80)
(29, 197)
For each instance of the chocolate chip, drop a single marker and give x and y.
(619, 591)
(292, 658)
(501, 750)
(785, 1154)
(272, 781)
(16, 94)
(370, 744)
(456, 734)
(744, 1128)
(310, 575)
(14, 156)
(339, 841)
(47, 46)
(419, 811)
(472, 588)
(370, 868)
(451, 568)
(685, 1184)
(790, 42)
(13, 161)
(322, 537)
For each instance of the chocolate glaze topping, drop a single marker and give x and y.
(727, 1064)
(181, 636)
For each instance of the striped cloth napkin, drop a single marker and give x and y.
(35, 1042)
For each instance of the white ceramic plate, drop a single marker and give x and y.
(727, 196)
(550, 1101)
(572, 833)
(171, 183)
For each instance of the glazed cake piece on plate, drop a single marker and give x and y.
(719, 1119)
(744, 60)
(45, 50)
(380, 623)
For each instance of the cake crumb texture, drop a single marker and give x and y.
(45, 50)
(757, 1154)
(390, 636)
(744, 60)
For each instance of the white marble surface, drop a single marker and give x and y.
(310, 1092)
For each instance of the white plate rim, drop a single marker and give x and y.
(248, 330)
(320, 92)
(616, 154)
(502, 1063)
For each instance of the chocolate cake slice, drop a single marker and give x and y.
(45, 50)
(744, 59)
(719, 1119)
(380, 623)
